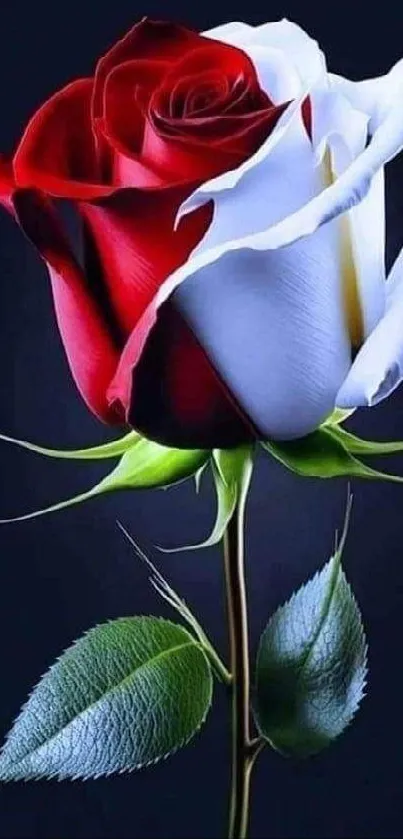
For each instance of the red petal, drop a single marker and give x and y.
(231, 62)
(183, 160)
(7, 183)
(209, 150)
(127, 91)
(147, 39)
(177, 398)
(57, 153)
(306, 110)
(156, 160)
(173, 394)
(132, 233)
(192, 147)
(132, 171)
(91, 352)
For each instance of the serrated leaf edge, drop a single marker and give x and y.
(364, 666)
(56, 775)
(334, 577)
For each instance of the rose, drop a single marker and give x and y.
(232, 212)
(166, 110)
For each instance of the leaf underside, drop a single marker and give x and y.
(311, 665)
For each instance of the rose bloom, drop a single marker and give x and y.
(231, 198)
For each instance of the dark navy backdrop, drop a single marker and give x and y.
(60, 575)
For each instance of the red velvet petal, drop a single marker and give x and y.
(127, 91)
(7, 183)
(230, 62)
(176, 396)
(184, 145)
(173, 394)
(147, 39)
(306, 110)
(223, 73)
(6, 176)
(169, 390)
(129, 170)
(57, 153)
(235, 138)
(133, 234)
(91, 351)
(180, 159)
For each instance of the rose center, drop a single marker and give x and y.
(203, 97)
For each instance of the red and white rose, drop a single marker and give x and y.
(231, 195)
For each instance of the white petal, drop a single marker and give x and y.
(375, 96)
(378, 367)
(272, 322)
(284, 181)
(267, 305)
(229, 33)
(301, 50)
(273, 325)
(348, 190)
(345, 193)
(365, 95)
(225, 183)
(367, 227)
(378, 98)
(314, 258)
(342, 128)
(338, 125)
(394, 285)
(283, 36)
(276, 74)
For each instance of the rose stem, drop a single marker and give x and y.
(244, 750)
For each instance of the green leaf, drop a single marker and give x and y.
(114, 448)
(144, 466)
(232, 469)
(127, 694)
(323, 454)
(311, 665)
(356, 445)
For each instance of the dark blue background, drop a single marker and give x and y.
(64, 573)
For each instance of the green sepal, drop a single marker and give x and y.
(128, 693)
(144, 465)
(312, 664)
(115, 448)
(232, 470)
(356, 445)
(323, 454)
(338, 416)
